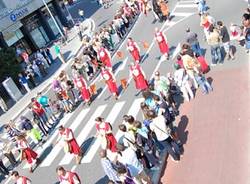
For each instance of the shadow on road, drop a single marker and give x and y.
(181, 129)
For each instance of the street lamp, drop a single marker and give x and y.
(53, 18)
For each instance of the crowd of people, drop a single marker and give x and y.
(127, 159)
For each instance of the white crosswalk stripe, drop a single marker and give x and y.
(111, 119)
(85, 131)
(56, 150)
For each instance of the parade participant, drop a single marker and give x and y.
(134, 50)
(20, 179)
(70, 144)
(139, 77)
(82, 86)
(206, 22)
(68, 177)
(162, 42)
(204, 67)
(104, 132)
(26, 152)
(109, 78)
(104, 56)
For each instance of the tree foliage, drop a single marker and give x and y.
(9, 67)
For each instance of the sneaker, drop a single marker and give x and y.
(212, 64)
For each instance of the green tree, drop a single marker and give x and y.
(9, 67)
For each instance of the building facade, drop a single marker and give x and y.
(27, 25)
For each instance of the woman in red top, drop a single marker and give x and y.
(134, 50)
(67, 176)
(67, 135)
(109, 78)
(104, 131)
(162, 42)
(104, 57)
(26, 152)
(82, 86)
(139, 77)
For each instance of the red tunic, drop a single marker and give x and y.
(110, 81)
(203, 64)
(140, 81)
(82, 86)
(162, 42)
(70, 177)
(104, 56)
(69, 137)
(134, 51)
(27, 152)
(106, 129)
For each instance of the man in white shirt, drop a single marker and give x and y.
(162, 132)
(128, 157)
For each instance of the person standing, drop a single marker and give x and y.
(134, 50)
(68, 177)
(104, 56)
(26, 152)
(3, 168)
(213, 39)
(109, 78)
(161, 84)
(108, 167)
(139, 77)
(192, 40)
(6, 151)
(71, 145)
(24, 82)
(81, 14)
(3, 105)
(58, 52)
(20, 179)
(162, 43)
(225, 38)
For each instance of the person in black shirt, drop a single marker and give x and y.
(225, 38)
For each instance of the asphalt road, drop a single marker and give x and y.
(81, 120)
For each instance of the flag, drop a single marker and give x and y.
(124, 83)
(145, 45)
(93, 89)
(119, 54)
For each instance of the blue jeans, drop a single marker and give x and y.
(196, 48)
(204, 84)
(216, 54)
(171, 147)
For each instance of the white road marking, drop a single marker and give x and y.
(181, 14)
(186, 6)
(176, 51)
(56, 150)
(87, 128)
(111, 119)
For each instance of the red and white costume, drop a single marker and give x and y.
(81, 84)
(104, 129)
(104, 56)
(27, 152)
(162, 42)
(68, 136)
(143, 6)
(134, 50)
(110, 80)
(139, 77)
(70, 178)
(23, 180)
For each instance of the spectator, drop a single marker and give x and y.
(24, 82)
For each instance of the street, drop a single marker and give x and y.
(214, 128)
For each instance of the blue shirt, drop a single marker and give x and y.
(23, 80)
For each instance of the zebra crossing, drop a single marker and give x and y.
(84, 131)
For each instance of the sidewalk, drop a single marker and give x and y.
(69, 51)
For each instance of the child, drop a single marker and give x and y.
(204, 84)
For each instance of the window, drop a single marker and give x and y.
(2, 5)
